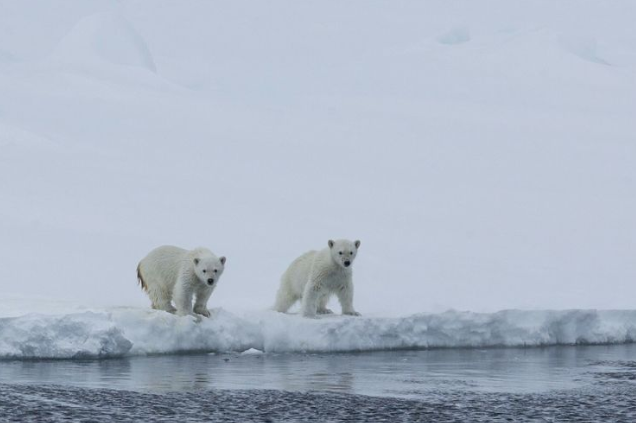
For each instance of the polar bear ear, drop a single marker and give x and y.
(196, 261)
(330, 243)
(223, 259)
(357, 243)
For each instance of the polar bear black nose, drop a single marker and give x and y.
(347, 263)
(210, 281)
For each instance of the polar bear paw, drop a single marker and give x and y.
(202, 311)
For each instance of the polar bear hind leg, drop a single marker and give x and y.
(284, 300)
(160, 299)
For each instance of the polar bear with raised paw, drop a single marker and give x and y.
(313, 277)
(168, 273)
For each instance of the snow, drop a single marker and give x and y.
(71, 336)
(482, 151)
(104, 36)
(130, 331)
(457, 35)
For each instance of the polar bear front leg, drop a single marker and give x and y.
(182, 297)
(322, 304)
(310, 299)
(201, 303)
(345, 296)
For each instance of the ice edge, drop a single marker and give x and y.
(132, 332)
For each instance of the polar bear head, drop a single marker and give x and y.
(343, 251)
(208, 267)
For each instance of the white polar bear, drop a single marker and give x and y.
(171, 272)
(316, 275)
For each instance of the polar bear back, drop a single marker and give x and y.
(316, 266)
(297, 274)
(163, 264)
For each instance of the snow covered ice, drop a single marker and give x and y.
(124, 332)
(485, 160)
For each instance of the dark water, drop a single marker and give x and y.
(22, 403)
(534, 384)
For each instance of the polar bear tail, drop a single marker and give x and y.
(141, 279)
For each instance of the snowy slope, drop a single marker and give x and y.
(127, 331)
(483, 151)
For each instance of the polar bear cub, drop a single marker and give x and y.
(316, 275)
(168, 273)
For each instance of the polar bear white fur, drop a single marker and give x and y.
(168, 273)
(316, 275)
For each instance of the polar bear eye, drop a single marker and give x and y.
(340, 253)
(204, 270)
(216, 271)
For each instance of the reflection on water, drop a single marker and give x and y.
(400, 373)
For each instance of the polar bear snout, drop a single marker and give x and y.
(343, 251)
(210, 281)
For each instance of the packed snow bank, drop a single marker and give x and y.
(71, 336)
(119, 332)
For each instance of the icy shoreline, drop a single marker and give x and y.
(130, 332)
